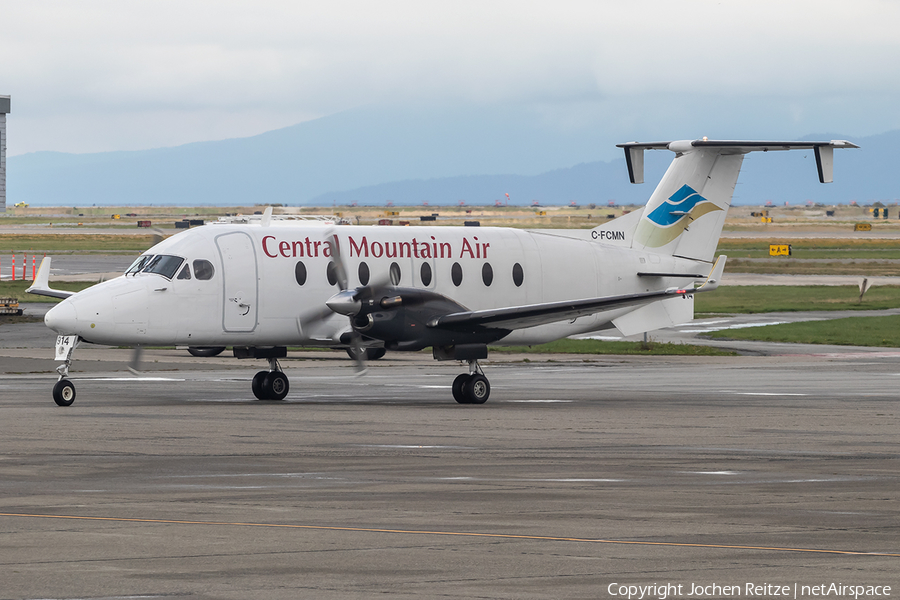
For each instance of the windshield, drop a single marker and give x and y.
(139, 264)
(164, 265)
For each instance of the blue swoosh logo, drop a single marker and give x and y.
(683, 201)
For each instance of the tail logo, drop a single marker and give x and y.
(671, 218)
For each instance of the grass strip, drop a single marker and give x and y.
(86, 243)
(775, 298)
(16, 289)
(881, 332)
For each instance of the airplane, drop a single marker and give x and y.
(263, 285)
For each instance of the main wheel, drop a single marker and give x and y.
(458, 384)
(64, 392)
(276, 385)
(368, 353)
(257, 385)
(477, 389)
(375, 353)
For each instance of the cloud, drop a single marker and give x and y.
(97, 75)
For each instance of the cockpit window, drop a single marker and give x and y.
(203, 269)
(185, 272)
(163, 264)
(139, 264)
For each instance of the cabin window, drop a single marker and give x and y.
(395, 274)
(456, 274)
(203, 269)
(425, 273)
(299, 272)
(363, 274)
(487, 274)
(331, 273)
(185, 272)
(164, 264)
(518, 274)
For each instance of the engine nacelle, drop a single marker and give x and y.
(399, 317)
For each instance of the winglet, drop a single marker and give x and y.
(41, 284)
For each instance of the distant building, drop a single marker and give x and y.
(4, 108)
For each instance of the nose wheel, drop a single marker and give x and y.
(272, 384)
(64, 392)
(472, 387)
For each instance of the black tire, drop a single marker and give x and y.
(477, 389)
(375, 353)
(458, 385)
(368, 353)
(206, 351)
(64, 392)
(276, 385)
(257, 385)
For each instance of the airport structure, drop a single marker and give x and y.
(4, 108)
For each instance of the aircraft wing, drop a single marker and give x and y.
(41, 284)
(531, 315)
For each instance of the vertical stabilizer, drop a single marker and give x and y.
(685, 214)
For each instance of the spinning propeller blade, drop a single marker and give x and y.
(135, 365)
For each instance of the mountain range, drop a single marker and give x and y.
(440, 156)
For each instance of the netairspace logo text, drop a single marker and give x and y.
(662, 591)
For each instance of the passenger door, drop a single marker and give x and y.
(240, 281)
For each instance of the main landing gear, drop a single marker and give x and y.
(472, 387)
(272, 384)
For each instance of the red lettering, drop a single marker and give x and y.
(265, 241)
(377, 253)
(408, 251)
(316, 245)
(466, 247)
(298, 243)
(444, 246)
(285, 248)
(362, 249)
(485, 245)
(387, 249)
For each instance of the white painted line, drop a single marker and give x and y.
(537, 401)
(128, 379)
(767, 394)
(406, 447)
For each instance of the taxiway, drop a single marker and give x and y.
(580, 472)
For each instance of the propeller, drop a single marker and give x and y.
(135, 364)
(348, 301)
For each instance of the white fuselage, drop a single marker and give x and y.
(266, 281)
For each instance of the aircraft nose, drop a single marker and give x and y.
(62, 318)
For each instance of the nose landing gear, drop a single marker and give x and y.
(472, 387)
(64, 390)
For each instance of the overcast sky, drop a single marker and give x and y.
(91, 76)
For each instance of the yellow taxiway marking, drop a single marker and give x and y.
(507, 536)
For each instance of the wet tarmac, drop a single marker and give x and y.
(580, 475)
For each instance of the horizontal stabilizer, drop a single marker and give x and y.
(41, 284)
(634, 152)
